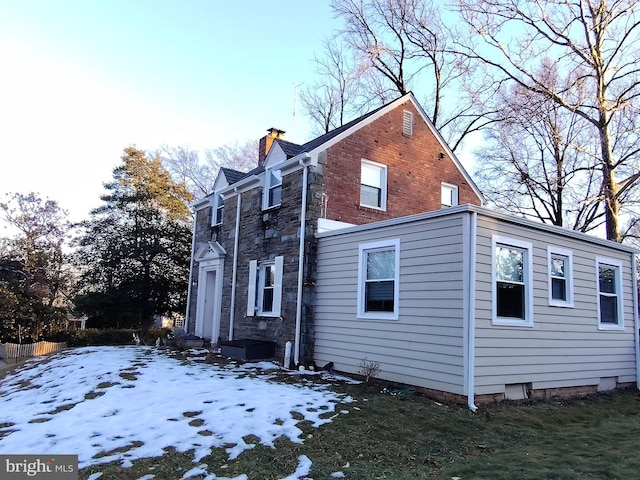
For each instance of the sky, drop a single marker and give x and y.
(83, 79)
(79, 402)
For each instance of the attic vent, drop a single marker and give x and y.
(407, 123)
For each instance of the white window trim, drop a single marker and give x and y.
(214, 212)
(383, 181)
(255, 290)
(551, 250)
(528, 283)
(454, 193)
(618, 264)
(267, 189)
(362, 272)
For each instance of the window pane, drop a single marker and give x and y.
(608, 309)
(267, 300)
(269, 276)
(558, 265)
(275, 196)
(219, 214)
(558, 289)
(509, 264)
(371, 176)
(607, 279)
(510, 300)
(379, 296)
(381, 265)
(275, 178)
(370, 196)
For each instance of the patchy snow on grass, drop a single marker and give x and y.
(124, 403)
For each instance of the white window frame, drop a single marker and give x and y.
(527, 248)
(218, 205)
(268, 187)
(256, 287)
(568, 278)
(383, 184)
(363, 250)
(407, 123)
(450, 192)
(617, 265)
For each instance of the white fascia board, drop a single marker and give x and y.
(484, 211)
(203, 202)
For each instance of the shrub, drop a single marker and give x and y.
(93, 336)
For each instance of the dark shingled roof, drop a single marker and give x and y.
(232, 175)
(292, 149)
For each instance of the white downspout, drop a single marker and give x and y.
(303, 215)
(193, 246)
(634, 276)
(236, 241)
(471, 336)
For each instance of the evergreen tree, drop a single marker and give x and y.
(135, 250)
(33, 273)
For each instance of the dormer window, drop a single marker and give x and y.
(273, 189)
(218, 211)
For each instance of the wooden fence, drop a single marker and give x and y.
(15, 351)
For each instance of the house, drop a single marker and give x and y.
(370, 243)
(468, 304)
(254, 245)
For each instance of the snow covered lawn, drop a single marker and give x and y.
(123, 403)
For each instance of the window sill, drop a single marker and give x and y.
(378, 316)
(372, 209)
(271, 208)
(561, 305)
(507, 322)
(610, 327)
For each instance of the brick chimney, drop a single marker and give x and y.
(264, 145)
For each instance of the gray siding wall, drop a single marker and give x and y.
(564, 348)
(424, 347)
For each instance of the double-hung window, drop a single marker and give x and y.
(273, 189)
(512, 282)
(378, 280)
(373, 185)
(560, 263)
(609, 273)
(218, 211)
(265, 288)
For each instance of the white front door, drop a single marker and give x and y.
(208, 304)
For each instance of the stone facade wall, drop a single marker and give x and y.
(414, 170)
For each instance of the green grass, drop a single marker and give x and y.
(411, 437)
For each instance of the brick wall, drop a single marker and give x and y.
(415, 170)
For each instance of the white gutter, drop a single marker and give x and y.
(471, 314)
(193, 245)
(235, 265)
(303, 215)
(634, 276)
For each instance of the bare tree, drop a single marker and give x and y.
(596, 43)
(530, 164)
(403, 45)
(186, 168)
(189, 168)
(238, 156)
(330, 100)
